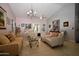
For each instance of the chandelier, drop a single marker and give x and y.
(31, 12)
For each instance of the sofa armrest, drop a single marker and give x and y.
(11, 48)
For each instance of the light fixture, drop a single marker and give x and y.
(31, 12)
(42, 17)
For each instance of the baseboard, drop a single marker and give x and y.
(71, 41)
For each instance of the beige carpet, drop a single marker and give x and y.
(69, 49)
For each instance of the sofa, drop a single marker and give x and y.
(54, 41)
(11, 46)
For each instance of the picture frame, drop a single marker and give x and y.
(43, 29)
(49, 26)
(26, 26)
(29, 26)
(22, 25)
(56, 25)
(66, 24)
(43, 24)
(2, 18)
(8, 20)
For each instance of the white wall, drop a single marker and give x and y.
(9, 14)
(67, 13)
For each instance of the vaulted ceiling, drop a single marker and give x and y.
(42, 9)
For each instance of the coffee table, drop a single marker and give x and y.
(33, 42)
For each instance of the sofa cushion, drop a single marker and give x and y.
(4, 39)
(10, 36)
(19, 41)
(48, 33)
(54, 34)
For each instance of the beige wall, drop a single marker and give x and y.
(9, 14)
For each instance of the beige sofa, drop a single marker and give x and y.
(54, 41)
(11, 48)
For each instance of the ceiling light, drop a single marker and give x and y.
(31, 12)
(27, 12)
(41, 17)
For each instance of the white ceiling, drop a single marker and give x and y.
(45, 9)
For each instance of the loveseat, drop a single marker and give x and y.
(9, 47)
(54, 40)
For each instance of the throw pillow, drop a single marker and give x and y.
(10, 36)
(4, 39)
(54, 34)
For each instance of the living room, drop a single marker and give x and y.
(53, 26)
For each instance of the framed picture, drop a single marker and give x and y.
(22, 25)
(8, 20)
(26, 26)
(43, 29)
(56, 25)
(2, 18)
(49, 26)
(29, 26)
(43, 24)
(66, 24)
